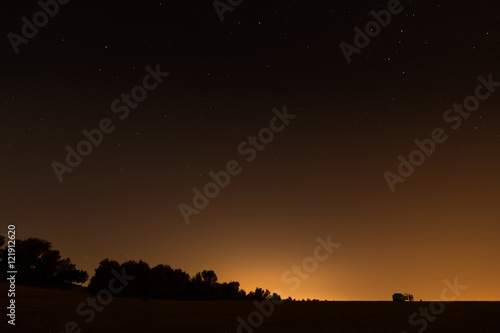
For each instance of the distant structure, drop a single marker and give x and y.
(397, 297)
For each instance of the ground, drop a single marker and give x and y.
(42, 310)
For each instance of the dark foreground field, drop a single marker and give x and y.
(40, 310)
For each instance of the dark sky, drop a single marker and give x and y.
(322, 175)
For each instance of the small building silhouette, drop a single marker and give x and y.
(398, 297)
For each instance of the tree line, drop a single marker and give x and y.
(38, 264)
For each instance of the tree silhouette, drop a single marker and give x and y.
(260, 294)
(167, 283)
(140, 285)
(103, 275)
(228, 291)
(209, 277)
(38, 264)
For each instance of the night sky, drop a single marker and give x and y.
(323, 174)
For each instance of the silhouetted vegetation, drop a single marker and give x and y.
(164, 282)
(37, 264)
